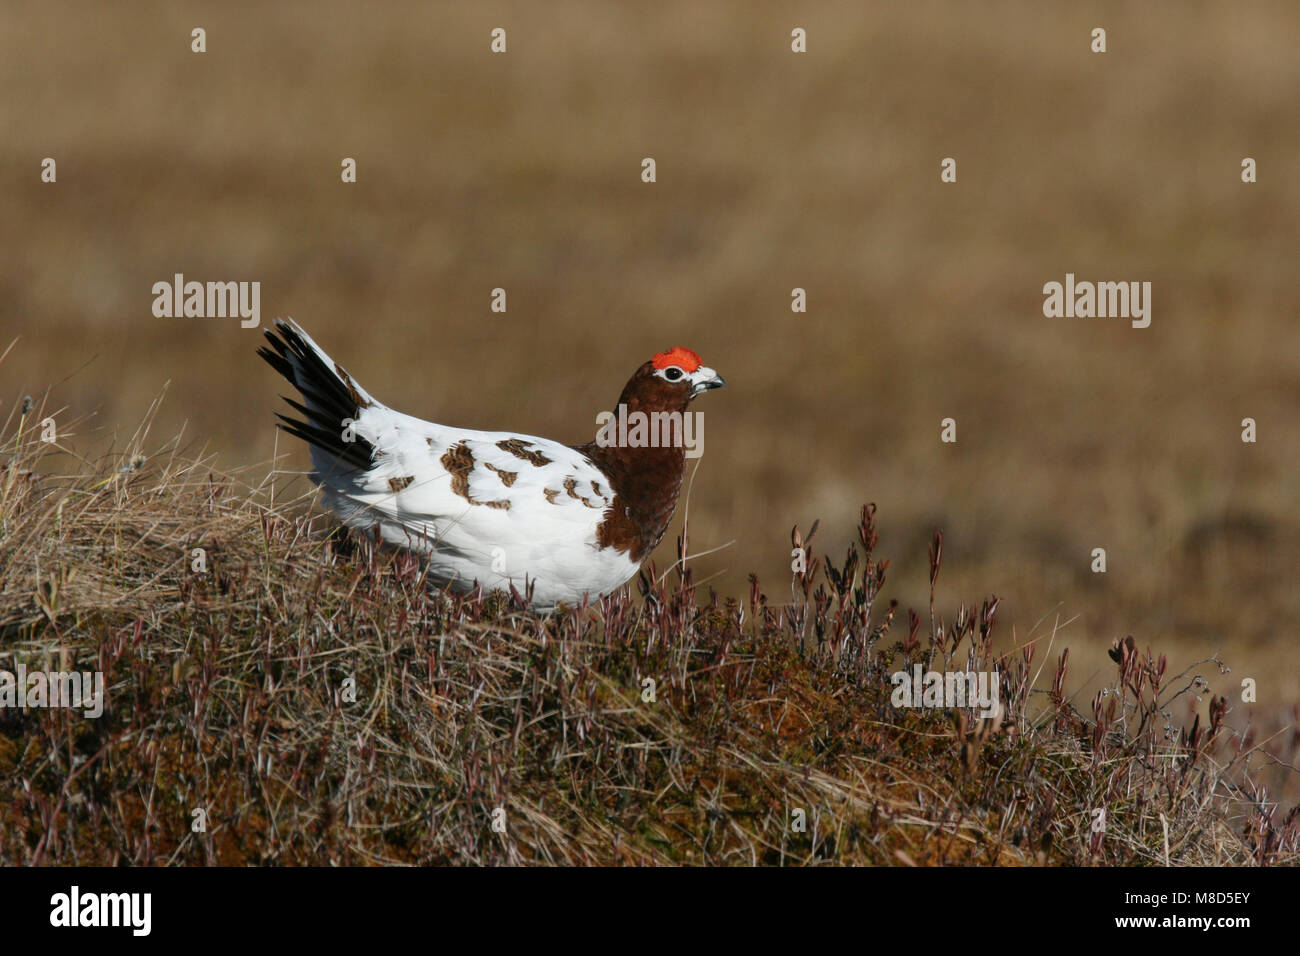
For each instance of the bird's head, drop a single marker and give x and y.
(669, 381)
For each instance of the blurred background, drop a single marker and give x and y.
(775, 171)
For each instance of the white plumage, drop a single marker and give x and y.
(495, 508)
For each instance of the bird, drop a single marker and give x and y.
(555, 523)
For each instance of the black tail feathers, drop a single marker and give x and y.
(330, 398)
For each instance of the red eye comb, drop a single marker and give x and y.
(684, 359)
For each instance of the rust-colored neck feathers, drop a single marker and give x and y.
(646, 481)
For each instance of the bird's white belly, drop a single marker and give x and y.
(562, 567)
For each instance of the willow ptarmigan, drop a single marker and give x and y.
(493, 508)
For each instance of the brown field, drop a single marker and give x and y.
(775, 170)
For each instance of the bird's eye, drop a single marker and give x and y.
(673, 373)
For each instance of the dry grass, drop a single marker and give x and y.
(228, 691)
(775, 171)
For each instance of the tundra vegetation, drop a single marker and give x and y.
(278, 692)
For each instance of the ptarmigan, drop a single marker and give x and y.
(494, 508)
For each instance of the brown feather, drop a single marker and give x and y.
(646, 481)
